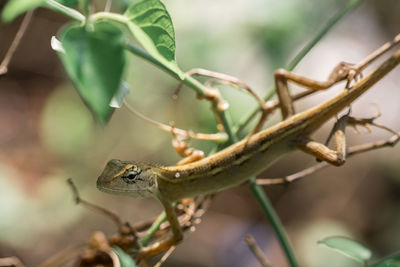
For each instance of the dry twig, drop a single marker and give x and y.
(257, 251)
(17, 39)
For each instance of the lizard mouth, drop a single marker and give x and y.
(124, 192)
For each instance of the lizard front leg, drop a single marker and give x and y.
(343, 71)
(165, 244)
(172, 218)
(339, 73)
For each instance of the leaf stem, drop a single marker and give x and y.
(140, 52)
(69, 12)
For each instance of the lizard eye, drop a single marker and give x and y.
(131, 175)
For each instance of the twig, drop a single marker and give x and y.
(11, 261)
(224, 78)
(218, 137)
(62, 257)
(112, 215)
(257, 251)
(383, 49)
(165, 256)
(107, 7)
(230, 80)
(17, 39)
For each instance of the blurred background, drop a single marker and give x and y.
(48, 135)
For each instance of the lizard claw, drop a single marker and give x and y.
(353, 73)
(346, 71)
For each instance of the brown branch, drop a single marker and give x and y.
(258, 253)
(11, 261)
(189, 134)
(63, 256)
(123, 227)
(165, 256)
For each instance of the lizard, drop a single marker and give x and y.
(247, 158)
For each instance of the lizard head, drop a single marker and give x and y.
(128, 178)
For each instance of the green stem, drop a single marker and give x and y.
(146, 56)
(69, 12)
(153, 229)
(85, 7)
(275, 222)
(332, 22)
(296, 60)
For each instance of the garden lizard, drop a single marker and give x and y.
(236, 163)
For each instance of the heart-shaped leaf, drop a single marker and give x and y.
(94, 60)
(150, 23)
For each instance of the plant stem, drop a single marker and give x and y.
(303, 52)
(273, 218)
(69, 12)
(140, 52)
(153, 229)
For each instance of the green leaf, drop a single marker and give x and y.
(388, 263)
(152, 26)
(95, 61)
(14, 8)
(68, 3)
(124, 4)
(348, 247)
(124, 259)
(392, 260)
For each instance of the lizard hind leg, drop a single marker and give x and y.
(337, 156)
